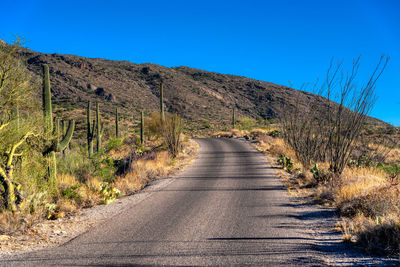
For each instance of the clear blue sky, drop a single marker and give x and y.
(276, 41)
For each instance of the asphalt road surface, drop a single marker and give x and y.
(228, 208)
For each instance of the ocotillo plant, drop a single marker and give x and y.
(141, 128)
(90, 130)
(56, 145)
(162, 102)
(99, 128)
(116, 123)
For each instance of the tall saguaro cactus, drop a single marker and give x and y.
(99, 128)
(56, 144)
(116, 123)
(141, 127)
(47, 106)
(162, 115)
(90, 130)
(63, 132)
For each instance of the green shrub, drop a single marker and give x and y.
(275, 133)
(113, 144)
(71, 192)
(246, 123)
(393, 170)
(77, 164)
(104, 166)
(206, 125)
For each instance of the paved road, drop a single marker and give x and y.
(228, 208)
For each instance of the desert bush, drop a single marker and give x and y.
(379, 236)
(172, 131)
(154, 124)
(105, 167)
(393, 171)
(113, 144)
(378, 202)
(258, 133)
(77, 164)
(71, 192)
(205, 124)
(275, 133)
(246, 123)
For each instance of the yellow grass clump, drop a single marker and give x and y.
(65, 180)
(143, 171)
(232, 133)
(360, 181)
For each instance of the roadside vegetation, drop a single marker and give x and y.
(52, 166)
(334, 157)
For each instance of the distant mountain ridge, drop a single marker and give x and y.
(194, 94)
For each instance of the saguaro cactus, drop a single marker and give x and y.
(116, 123)
(47, 107)
(141, 128)
(90, 130)
(63, 132)
(162, 102)
(99, 128)
(56, 145)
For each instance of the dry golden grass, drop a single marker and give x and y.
(259, 132)
(232, 133)
(120, 152)
(9, 222)
(358, 182)
(64, 180)
(222, 134)
(368, 202)
(393, 155)
(66, 206)
(240, 133)
(378, 236)
(93, 184)
(143, 171)
(276, 147)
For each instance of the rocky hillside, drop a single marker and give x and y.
(194, 94)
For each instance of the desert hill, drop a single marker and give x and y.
(196, 95)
